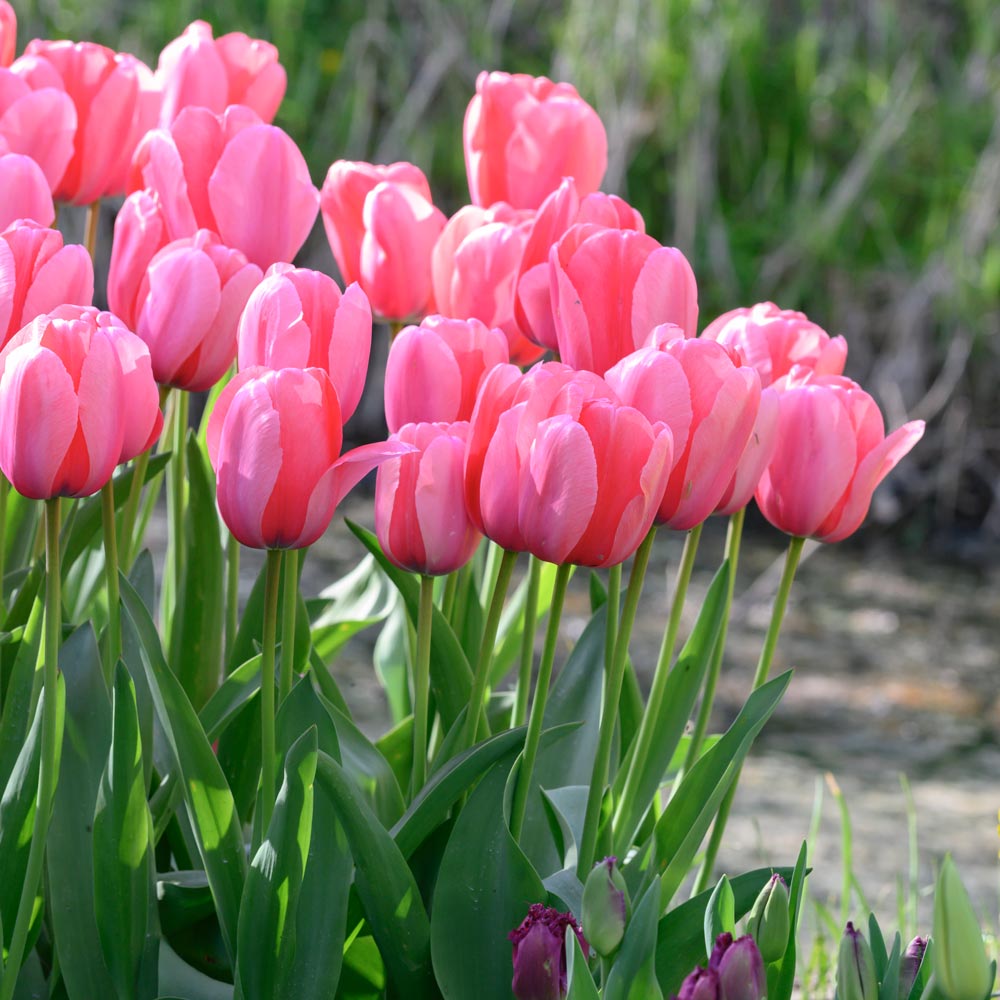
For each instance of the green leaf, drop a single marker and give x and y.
(391, 659)
(579, 982)
(484, 888)
(451, 676)
(25, 678)
(179, 981)
(396, 746)
(566, 809)
(720, 914)
(242, 685)
(683, 684)
(889, 973)
(633, 975)
(209, 802)
(266, 934)
(123, 860)
(327, 685)
(385, 886)
(185, 898)
(20, 528)
(196, 625)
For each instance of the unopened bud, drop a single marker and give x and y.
(539, 956)
(741, 969)
(856, 967)
(961, 971)
(909, 966)
(605, 907)
(768, 920)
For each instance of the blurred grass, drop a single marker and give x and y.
(836, 157)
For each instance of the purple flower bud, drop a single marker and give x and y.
(855, 967)
(910, 965)
(722, 945)
(741, 970)
(539, 956)
(702, 984)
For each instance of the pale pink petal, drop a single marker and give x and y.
(350, 348)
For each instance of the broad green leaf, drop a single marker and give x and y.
(396, 746)
(565, 889)
(579, 982)
(185, 898)
(21, 525)
(888, 974)
(391, 661)
(21, 692)
(266, 934)
(633, 975)
(451, 676)
(385, 886)
(153, 751)
(720, 914)
(236, 690)
(123, 859)
(327, 685)
(27, 592)
(179, 981)
(566, 809)
(199, 611)
(484, 888)
(683, 684)
(210, 806)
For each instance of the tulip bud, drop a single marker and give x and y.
(768, 920)
(856, 967)
(539, 955)
(910, 966)
(961, 970)
(605, 906)
(702, 984)
(740, 968)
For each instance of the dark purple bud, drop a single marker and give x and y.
(910, 965)
(741, 971)
(702, 984)
(539, 957)
(722, 944)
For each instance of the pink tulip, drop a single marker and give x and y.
(832, 453)
(774, 340)
(523, 134)
(560, 210)
(24, 191)
(710, 404)
(568, 473)
(188, 306)
(278, 487)
(420, 516)
(434, 370)
(140, 233)
(76, 398)
(8, 33)
(214, 172)
(38, 119)
(297, 318)
(474, 266)
(38, 274)
(610, 288)
(105, 89)
(756, 455)
(197, 69)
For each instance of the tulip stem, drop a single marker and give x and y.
(448, 597)
(4, 491)
(49, 763)
(131, 508)
(422, 683)
(523, 788)
(175, 498)
(609, 710)
(481, 676)
(734, 535)
(90, 228)
(289, 607)
(614, 599)
(654, 706)
(114, 638)
(527, 642)
(792, 557)
(272, 580)
(232, 593)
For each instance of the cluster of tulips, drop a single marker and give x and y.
(546, 387)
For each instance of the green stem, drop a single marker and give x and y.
(422, 683)
(614, 598)
(448, 597)
(289, 607)
(522, 790)
(4, 490)
(175, 494)
(609, 710)
(272, 580)
(114, 647)
(734, 535)
(131, 509)
(654, 707)
(51, 736)
(482, 673)
(527, 643)
(792, 557)
(90, 228)
(232, 593)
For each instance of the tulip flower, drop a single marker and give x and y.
(756, 455)
(739, 967)
(775, 340)
(709, 402)
(539, 955)
(831, 454)
(140, 233)
(961, 968)
(105, 88)
(208, 170)
(420, 515)
(434, 370)
(560, 210)
(382, 227)
(701, 984)
(909, 966)
(605, 906)
(38, 274)
(24, 191)
(856, 978)
(38, 118)
(278, 487)
(768, 923)
(610, 288)
(197, 69)
(187, 309)
(523, 134)
(76, 398)
(297, 318)
(8, 33)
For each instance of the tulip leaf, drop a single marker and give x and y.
(451, 676)
(888, 972)
(720, 914)
(391, 662)
(683, 684)
(20, 523)
(123, 859)
(179, 980)
(566, 808)
(484, 888)
(327, 685)
(242, 685)
(22, 689)
(396, 746)
(579, 982)
(633, 975)
(268, 910)
(208, 799)
(565, 889)
(385, 886)
(196, 633)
